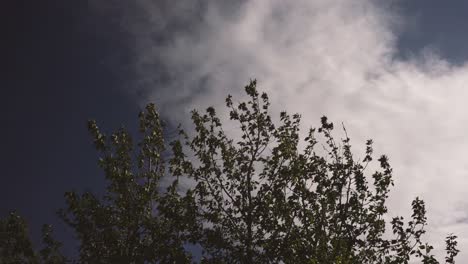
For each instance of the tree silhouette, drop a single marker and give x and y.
(262, 196)
(16, 246)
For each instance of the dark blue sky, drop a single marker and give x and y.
(62, 63)
(60, 67)
(440, 24)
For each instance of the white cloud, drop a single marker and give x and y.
(320, 57)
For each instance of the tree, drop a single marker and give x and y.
(134, 222)
(262, 196)
(16, 246)
(263, 199)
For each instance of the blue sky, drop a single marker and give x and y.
(438, 24)
(391, 70)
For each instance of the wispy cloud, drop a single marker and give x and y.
(317, 57)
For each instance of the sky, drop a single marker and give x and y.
(394, 71)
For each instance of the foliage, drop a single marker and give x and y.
(16, 246)
(134, 222)
(259, 195)
(264, 199)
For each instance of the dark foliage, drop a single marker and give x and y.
(260, 195)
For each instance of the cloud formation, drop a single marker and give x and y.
(316, 57)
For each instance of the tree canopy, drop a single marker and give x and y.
(260, 195)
